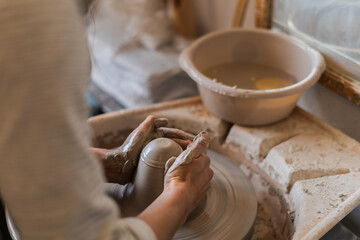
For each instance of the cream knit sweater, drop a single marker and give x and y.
(51, 184)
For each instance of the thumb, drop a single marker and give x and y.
(116, 191)
(169, 163)
(194, 150)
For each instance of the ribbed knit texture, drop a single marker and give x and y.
(51, 184)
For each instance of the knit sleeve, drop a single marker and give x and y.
(51, 184)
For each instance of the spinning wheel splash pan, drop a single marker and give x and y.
(230, 208)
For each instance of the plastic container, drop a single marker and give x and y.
(251, 107)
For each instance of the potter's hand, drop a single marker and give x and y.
(185, 185)
(190, 172)
(120, 164)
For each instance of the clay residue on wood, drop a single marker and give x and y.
(111, 140)
(311, 155)
(315, 200)
(256, 142)
(273, 220)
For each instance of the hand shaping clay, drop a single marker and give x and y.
(149, 177)
(227, 213)
(230, 208)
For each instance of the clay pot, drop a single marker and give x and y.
(149, 177)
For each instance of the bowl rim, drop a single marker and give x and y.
(186, 63)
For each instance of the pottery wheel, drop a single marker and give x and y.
(228, 212)
(230, 208)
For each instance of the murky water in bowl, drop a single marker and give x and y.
(249, 76)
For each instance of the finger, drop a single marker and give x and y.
(115, 190)
(142, 133)
(169, 163)
(201, 198)
(183, 143)
(160, 122)
(128, 170)
(205, 188)
(175, 133)
(202, 195)
(138, 138)
(198, 146)
(208, 177)
(211, 173)
(202, 163)
(151, 122)
(194, 150)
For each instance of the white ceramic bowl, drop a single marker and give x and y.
(251, 107)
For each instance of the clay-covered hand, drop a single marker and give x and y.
(120, 164)
(190, 172)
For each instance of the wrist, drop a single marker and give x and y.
(170, 209)
(179, 195)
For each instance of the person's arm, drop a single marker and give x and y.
(184, 187)
(167, 213)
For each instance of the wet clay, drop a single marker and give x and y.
(121, 163)
(149, 177)
(229, 210)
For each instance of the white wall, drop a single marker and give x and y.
(320, 101)
(218, 14)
